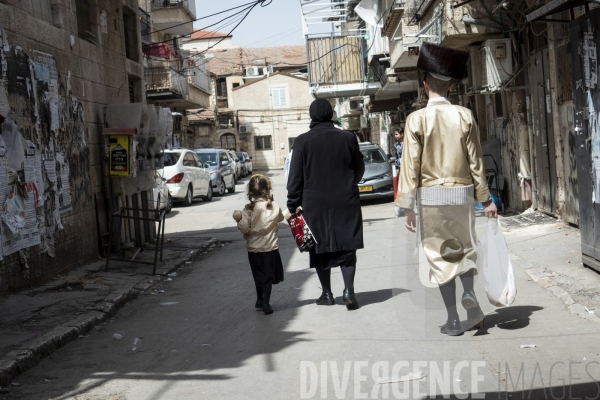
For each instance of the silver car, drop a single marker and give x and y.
(221, 171)
(377, 179)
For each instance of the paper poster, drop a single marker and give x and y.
(63, 187)
(54, 118)
(119, 155)
(103, 22)
(30, 235)
(13, 211)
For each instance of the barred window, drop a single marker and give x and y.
(263, 143)
(41, 10)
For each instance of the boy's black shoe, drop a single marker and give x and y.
(326, 299)
(452, 328)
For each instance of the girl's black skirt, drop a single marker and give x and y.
(266, 267)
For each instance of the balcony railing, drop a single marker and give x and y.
(189, 5)
(199, 78)
(335, 59)
(160, 79)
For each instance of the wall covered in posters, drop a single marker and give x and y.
(54, 87)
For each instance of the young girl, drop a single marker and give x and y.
(258, 222)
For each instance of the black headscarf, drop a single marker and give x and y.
(320, 111)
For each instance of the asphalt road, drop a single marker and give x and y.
(202, 338)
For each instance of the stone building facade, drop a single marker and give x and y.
(63, 62)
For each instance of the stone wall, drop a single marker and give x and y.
(89, 76)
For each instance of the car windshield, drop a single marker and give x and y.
(171, 158)
(211, 159)
(240, 156)
(373, 156)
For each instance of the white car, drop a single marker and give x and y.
(187, 177)
(248, 162)
(161, 193)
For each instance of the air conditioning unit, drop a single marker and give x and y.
(267, 70)
(474, 68)
(245, 129)
(356, 105)
(252, 71)
(496, 62)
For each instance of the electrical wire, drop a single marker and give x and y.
(212, 15)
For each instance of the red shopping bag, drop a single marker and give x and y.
(302, 234)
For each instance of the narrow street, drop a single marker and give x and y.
(202, 338)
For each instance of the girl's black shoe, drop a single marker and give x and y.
(267, 309)
(326, 299)
(259, 304)
(452, 328)
(475, 318)
(350, 299)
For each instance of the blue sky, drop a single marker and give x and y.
(278, 24)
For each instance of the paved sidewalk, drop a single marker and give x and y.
(34, 323)
(550, 253)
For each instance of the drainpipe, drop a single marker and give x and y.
(534, 201)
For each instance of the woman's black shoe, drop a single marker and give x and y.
(350, 299)
(469, 301)
(452, 328)
(326, 299)
(267, 309)
(258, 304)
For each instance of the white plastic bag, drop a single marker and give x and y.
(498, 271)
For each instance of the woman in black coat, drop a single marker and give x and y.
(323, 179)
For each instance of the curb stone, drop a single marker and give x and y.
(545, 280)
(31, 352)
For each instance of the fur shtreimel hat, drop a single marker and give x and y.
(443, 62)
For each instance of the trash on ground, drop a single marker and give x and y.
(119, 335)
(188, 262)
(584, 358)
(528, 346)
(173, 274)
(15, 384)
(136, 344)
(169, 303)
(169, 279)
(160, 291)
(413, 376)
(458, 380)
(588, 310)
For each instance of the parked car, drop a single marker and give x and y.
(187, 176)
(248, 162)
(377, 179)
(161, 192)
(221, 171)
(238, 164)
(242, 159)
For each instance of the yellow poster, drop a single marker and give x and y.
(119, 155)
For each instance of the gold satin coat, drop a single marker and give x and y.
(441, 147)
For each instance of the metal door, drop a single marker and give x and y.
(544, 151)
(586, 99)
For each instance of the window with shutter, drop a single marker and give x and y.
(279, 97)
(41, 10)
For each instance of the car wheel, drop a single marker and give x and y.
(209, 194)
(221, 188)
(232, 188)
(189, 196)
(169, 204)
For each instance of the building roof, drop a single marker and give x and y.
(265, 77)
(204, 34)
(232, 60)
